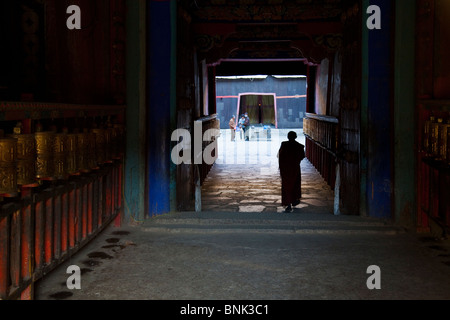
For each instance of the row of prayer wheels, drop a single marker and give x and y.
(323, 132)
(28, 159)
(436, 137)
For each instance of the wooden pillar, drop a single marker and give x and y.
(136, 112)
(404, 114)
(380, 114)
(4, 256)
(161, 98)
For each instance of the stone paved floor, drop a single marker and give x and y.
(246, 178)
(223, 254)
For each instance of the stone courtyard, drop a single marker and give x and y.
(246, 178)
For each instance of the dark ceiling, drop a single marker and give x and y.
(265, 36)
(267, 11)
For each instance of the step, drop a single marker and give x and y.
(216, 222)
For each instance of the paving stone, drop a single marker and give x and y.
(315, 202)
(302, 205)
(251, 208)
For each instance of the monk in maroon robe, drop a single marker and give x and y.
(290, 155)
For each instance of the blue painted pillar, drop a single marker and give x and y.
(161, 100)
(379, 136)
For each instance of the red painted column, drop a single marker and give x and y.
(101, 195)
(27, 246)
(78, 215)
(39, 233)
(4, 257)
(89, 208)
(48, 242)
(15, 249)
(113, 190)
(71, 218)
(64, 222)
(95, 206)
(57, 226)
(118, 220)
(84, 216)
(108, 196)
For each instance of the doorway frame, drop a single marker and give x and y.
(259, 94)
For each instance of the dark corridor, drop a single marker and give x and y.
(87, 115)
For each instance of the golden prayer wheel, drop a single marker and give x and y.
(60, 156)
(71, 143)
(92, 151)
(82, 145)
(434, 138)
(45, 167)
(8, 151)
(86, 151)
(443, 141)
(26, 173)
(101, 139)
(60, 143)
(426, 143)
(8, 167)
(26, 157)
(59, 164)
(26, 146)
(71, 147)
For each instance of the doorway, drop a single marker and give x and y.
(261, 108)
(245, 178)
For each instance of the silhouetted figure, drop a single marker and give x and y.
(290, 156)
(232, 125)
(240, 126)
(246, 126)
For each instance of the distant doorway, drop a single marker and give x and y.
(261, 108)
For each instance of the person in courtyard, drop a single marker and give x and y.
(246, 126)
(290, 156)
(232, 125)
(240, 126)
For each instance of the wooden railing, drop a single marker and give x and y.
(55, 196)
(321, 145)
(209, 122)
(42, 230)
(433, 159)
